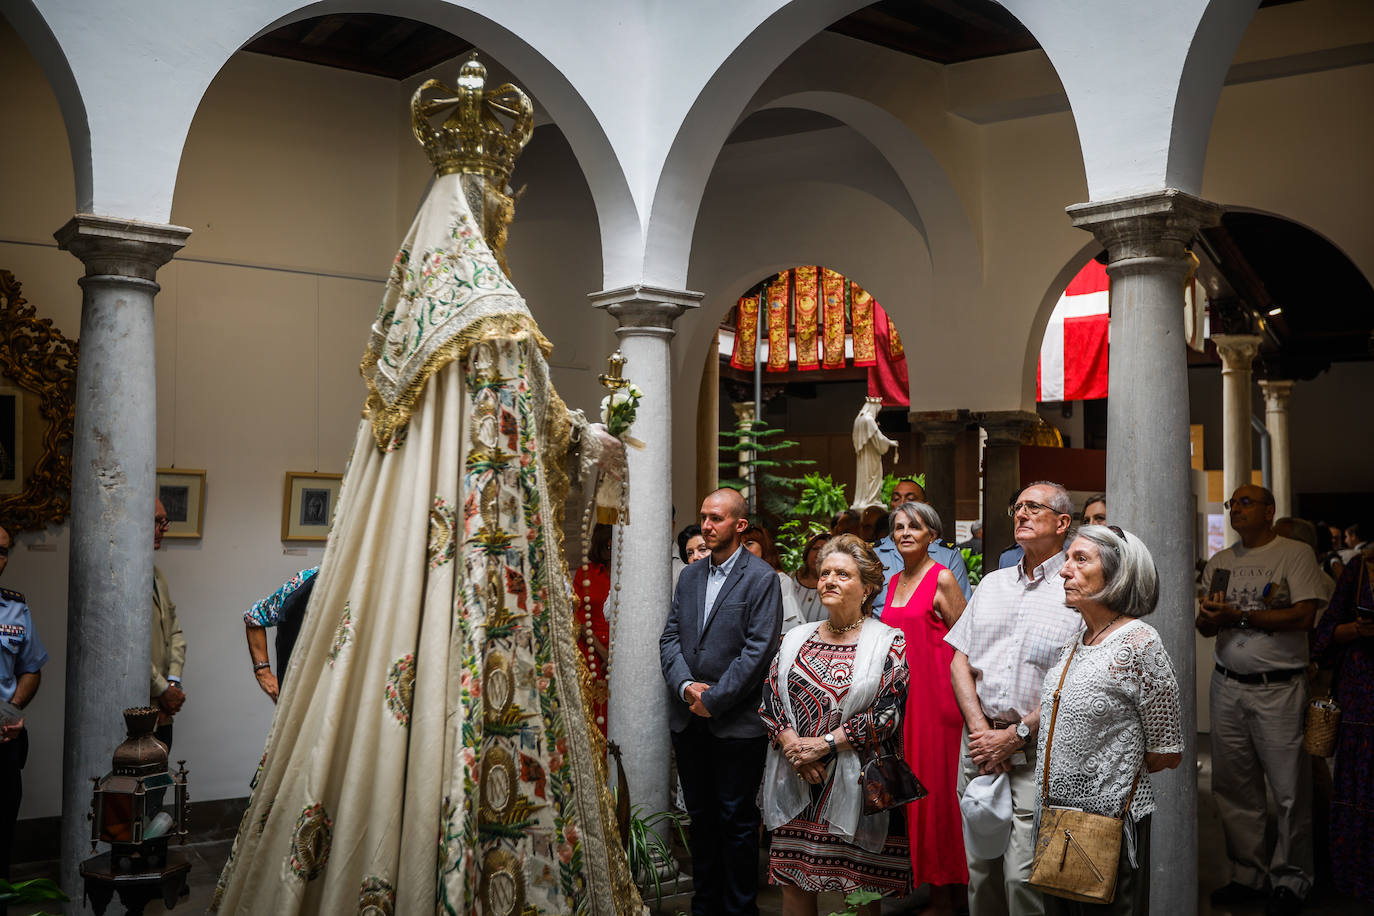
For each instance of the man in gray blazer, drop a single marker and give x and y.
(716, 648)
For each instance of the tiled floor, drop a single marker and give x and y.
(207, 859)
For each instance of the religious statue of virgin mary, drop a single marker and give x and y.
(433, 750)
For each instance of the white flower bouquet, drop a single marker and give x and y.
(618, 409)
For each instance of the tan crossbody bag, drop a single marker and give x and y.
(1076, 853)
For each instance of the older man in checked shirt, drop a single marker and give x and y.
(1004, 642)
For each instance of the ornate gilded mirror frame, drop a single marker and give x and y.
(37, 408)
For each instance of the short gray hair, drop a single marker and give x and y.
(1130, 582)
(1060, 501)
(924, 513)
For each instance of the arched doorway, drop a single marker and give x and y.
(799, 352)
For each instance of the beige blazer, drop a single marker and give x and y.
(169, 645)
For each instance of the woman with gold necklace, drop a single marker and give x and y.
(837, 687)
(924, 601)
(1117, 717)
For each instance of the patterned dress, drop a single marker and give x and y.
(804, 853)
(1352, 792)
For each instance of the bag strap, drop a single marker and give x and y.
(1049, 736)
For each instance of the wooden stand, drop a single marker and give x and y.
(136, 889)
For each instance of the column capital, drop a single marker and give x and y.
(1237, 351)
(1277, 391)
(1004, 427)
(645, 310)
(1157, 224)
(939, 427)
(109, 246)
(744, 412)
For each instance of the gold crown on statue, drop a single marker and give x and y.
(472, 138)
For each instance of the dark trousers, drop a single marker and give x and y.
(13, 754)
(163, 733)
(720, 782)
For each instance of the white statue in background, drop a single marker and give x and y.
(870, 445)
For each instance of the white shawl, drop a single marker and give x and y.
(785, 795)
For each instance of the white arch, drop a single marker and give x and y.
(33, 30)
(904, 287)
(130, 86)
(943, 220)
(1142, 80)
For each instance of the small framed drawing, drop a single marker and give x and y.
(182, 492)
(308, 505)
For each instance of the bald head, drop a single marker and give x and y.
(723, 520)
(731, 500)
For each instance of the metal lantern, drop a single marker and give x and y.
(140, 804)
(614, 377)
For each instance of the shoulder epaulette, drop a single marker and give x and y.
(11, 595)
(948, 543)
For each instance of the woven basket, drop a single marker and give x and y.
(1323, 719)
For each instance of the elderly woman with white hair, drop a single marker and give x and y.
(1113, 703)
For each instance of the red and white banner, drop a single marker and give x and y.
(1073, 353)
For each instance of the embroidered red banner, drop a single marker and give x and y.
(861, 313)
(746, 331)
(833, 288)
(807, 314)
(779, 292)
(887, 377)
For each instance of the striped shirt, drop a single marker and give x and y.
(1012, 632)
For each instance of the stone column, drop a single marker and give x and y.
(744, 420)
(708, 429)
(1237, 353)
(1148, 474)
(638, 708)
(1276, 395)
(1001, 476)
(114, 466)
(939, 431)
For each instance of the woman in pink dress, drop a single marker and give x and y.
(924, 601)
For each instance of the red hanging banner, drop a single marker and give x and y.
(808, 307)
(746, 333)
(861, 313)
(887, 377)
(832, 319)
(779, 292)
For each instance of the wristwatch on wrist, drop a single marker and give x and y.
(830, 742)
(1023, 731)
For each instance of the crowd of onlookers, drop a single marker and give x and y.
(877, 644)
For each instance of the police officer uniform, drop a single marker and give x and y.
(21, 652)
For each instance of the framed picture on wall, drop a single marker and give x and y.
(182, 491)
(308, 505)
(11, 441)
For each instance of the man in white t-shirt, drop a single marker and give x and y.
(1259, 697)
